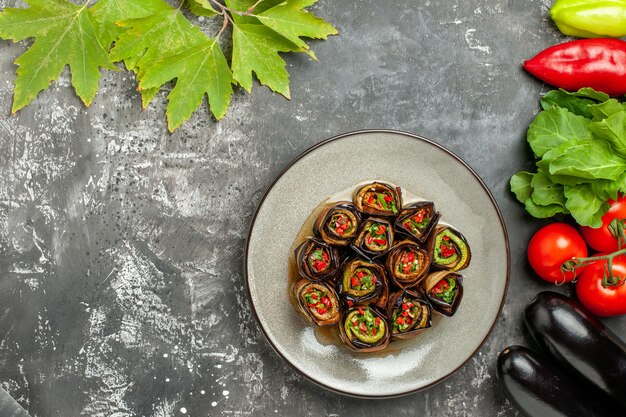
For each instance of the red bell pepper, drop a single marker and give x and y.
(596, 63)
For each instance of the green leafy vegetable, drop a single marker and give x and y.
(159, 44)
(545, 192)
(577, 103)
(555, 126)
(520, 185)
(580, 142)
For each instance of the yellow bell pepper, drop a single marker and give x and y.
(590, 18)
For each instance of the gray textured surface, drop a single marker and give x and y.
(121, 286)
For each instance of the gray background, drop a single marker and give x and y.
(121, 289)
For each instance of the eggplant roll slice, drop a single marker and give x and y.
(318, 302)
(364, 329)
(379, 199)
(364, 282)
(317, 260)
(409, 314)
(338, 224)
(444, 291)
(374, 239)
(450, 250)
(407, 264)
(418, 220)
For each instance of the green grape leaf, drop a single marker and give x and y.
(152, 38)
(198, 70)
(64, 35)
(290, 20)
(105, 13)
(241, 7)
(158, 43)
(201, 7)
(255, 49)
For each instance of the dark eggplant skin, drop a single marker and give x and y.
(578, 341)
(539, 390)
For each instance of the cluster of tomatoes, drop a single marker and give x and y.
(558, 243)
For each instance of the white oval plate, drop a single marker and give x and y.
(423, 168)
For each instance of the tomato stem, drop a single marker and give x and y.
(609, 280)
(617, 229)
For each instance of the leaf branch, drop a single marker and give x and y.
(225, 8)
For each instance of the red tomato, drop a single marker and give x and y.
(600, 300)
(550, 247)
(601, 239)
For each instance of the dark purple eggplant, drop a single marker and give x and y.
(540, 390)
(317, 260)
(374, 239)
(407, 264)
(449, 249)
(444, 291)
(417, 220)
(409, 314)
(318, 302)
(338, 223)
(364, 329)
(378, 199)
(578, 341)
(364, 282)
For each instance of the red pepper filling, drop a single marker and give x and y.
(447, 247)
(382, 201)
(377, 236)
(409, 262)
(317, 301)
(340, 224)
(366, 323)
(417, 223)
(363, 279)
(445, 289)
(403, 317)
(441, 287)
(319, 260)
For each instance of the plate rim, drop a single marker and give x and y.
(287, 167)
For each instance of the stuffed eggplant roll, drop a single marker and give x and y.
(317, 260)
(364, 282)
(450, 250)
(374, 239)
(444, 291)
(379, 199)
(418, 220)
(318, 302)
(364, 329)
(407, 264)
(409, 314)
(338, 224)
